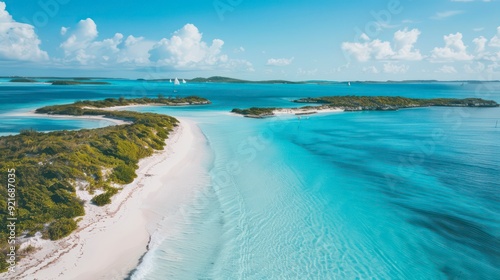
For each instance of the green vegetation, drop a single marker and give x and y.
(255, 112)
(22, 80)
(80, 82)
(61, 228)
(77, 108)
(50, 166)
(104, 198)
(367, 103)
(394, 102)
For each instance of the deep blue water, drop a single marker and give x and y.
(411, 194)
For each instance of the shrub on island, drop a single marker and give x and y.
(61, 228)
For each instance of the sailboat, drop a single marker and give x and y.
(183, 81)
(170, 81)
(176, 83)
(348, 83)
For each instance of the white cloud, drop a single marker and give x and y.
(395, 68)
(454, 49)
(76, 47)
(18, 41)
(403, 49)
(447, 69)
(404, 42)
(186, 50)
(82, 37)
(280, 61)
(446, 14)
(480, 44)
(495, 41)
(135, 50)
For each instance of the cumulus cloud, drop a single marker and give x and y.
(82, 47)
(279, 61)
(135, 50)
(480, 44)
(82, 37)
(404, 42)
(488, 49)
(402, 48)
(454, 49)
(18, 41)
(495, 41)
(186, 49)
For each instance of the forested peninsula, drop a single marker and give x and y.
(50, 166)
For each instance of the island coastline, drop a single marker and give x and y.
(96, 250)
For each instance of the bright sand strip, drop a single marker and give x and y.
(110, 240)
(97, 118)
(294, 111)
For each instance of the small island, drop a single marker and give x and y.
(51, 167)
(23, 80)
(363, 103)
(72, 83)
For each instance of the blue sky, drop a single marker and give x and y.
(294, 40)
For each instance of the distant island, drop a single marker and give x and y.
(79, 82)
(221, 79)
(76, 81)
(51, 166)
(23, 80)
(363, 103)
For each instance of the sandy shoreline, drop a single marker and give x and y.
(300, 111)
(110, 240)
(68, 117)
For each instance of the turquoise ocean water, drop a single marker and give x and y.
(411, 194)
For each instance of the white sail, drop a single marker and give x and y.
(170, 81)
(183, 81)
(176, 82)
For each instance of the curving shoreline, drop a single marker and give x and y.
(110, 240)
(69, 117)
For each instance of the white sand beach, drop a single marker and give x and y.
(300, 111)
(97, 118)
(110, 240)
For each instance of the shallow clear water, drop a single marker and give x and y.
(411, 194)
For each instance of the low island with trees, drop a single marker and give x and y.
(51, 166)
(364, 103)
